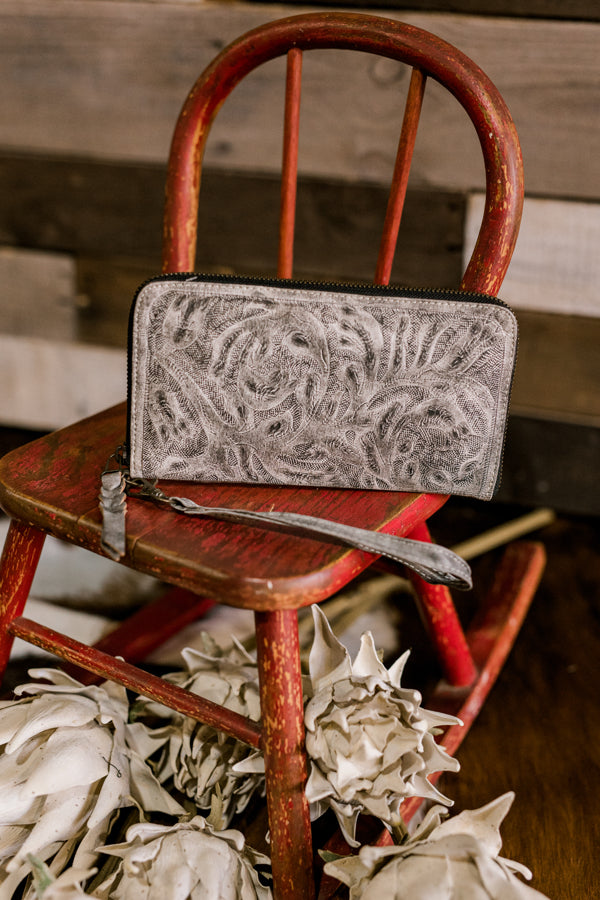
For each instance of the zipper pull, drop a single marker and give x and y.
(113, 504)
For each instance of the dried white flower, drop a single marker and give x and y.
(69, 761)
(200, 758)
(369, 741)
(454, 860)
(188, 861)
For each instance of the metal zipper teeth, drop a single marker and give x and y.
(358, 288)
(361, 288)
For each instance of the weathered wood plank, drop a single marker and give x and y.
(76, 206)
(556, 264)
(558, 371)
(108, 285)
(47, 384)
(551, 463)
(547, 9)
(50, 383)
(107, 79)
(338, 229)
(37, 294)
(558, 368)
(99, 210)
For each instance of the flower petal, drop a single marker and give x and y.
(63, 816)
(68, 759)
(396, 670)
(483, 824)
(417, 878)
(11, 839)
(147, 790)
(49, 712)
(254, 764)
(328, 660)
(347, 817)
(367, 662)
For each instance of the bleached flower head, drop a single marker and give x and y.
(200, 758)
(68, 761)
(369, 741)
(188, 861)
(449, 861)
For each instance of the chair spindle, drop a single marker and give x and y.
(406, 145)
(289, 171)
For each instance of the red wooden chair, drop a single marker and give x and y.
(51, 485)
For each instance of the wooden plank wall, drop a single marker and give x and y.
(91, 90)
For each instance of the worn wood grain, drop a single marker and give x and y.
(53, 483)
(106, 80)
(538, 732)
(556, 265)
(47, 384)
(558, 368)
(551, 463)
(282, 711)
(186, 702)
(81, 206)
(548, 9)
(17, 567)
(100, 210)
(38, 295)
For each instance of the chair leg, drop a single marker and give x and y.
(282, 707)
(441, 620)
(17, 567)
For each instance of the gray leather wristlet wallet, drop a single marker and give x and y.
(319, 385)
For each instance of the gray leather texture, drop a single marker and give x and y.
(269, 384)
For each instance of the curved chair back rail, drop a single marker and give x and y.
(428, 55)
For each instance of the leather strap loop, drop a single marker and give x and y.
(435, 564)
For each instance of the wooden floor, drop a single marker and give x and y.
(539, 732)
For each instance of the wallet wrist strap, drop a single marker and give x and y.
(435, 564)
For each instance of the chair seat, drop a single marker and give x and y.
(53, 483)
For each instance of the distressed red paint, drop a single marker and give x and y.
(52, 484)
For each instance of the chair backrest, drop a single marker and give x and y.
(429, 56)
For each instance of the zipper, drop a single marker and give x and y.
(358, 288)
(361, 288)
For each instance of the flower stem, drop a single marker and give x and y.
(399, 832)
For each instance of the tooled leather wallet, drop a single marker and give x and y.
(325, 385)
(321, 385)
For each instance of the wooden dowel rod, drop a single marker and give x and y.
(503, 534)
(289, 169)
(135, 679)
(406, 146)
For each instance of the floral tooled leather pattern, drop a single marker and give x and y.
(265, 384)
